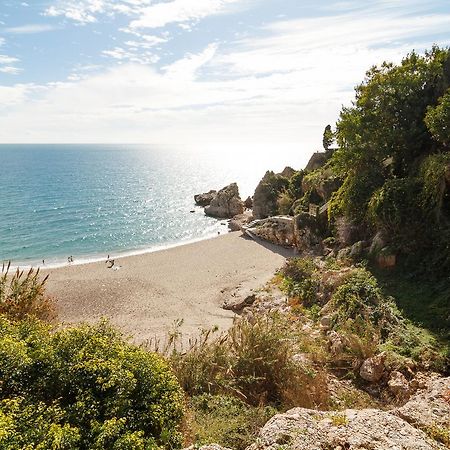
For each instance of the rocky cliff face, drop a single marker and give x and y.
(226, 203)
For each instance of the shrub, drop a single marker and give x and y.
(23, 294)
(253, 361)
(226, 420)
(95, 389)
(299, 280)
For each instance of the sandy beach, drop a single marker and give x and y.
(144, 294)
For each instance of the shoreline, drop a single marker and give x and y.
(144, 295)
(96, 258)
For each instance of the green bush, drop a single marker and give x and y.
(227, 421)
(84, 385)
(395, 208)
(299, 280)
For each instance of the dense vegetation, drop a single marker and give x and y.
(83, 388)
(390, 172)
(77, 388)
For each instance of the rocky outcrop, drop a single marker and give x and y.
(304, 429)
(267, 192)
(278, 230)
(415, 426)
(316, 161)
(429, 407)
(205, 199)
(226, 204)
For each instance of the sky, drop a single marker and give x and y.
(225, 72)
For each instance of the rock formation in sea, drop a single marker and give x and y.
(226, 203)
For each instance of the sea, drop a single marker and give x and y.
(91, 201)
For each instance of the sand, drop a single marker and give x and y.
(145, 294)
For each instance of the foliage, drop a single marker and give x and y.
(394, 207)
(284, 203)
(328, 138)
(22, 294)
(295, 184)
(84, 387)
(433, 172)
(226, 420)
(438, 120)
(299, 281)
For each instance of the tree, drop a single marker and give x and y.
(328, 138)
(438, 120)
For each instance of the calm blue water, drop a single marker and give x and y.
(92, 200)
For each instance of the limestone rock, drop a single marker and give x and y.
(226, 203)
(398, 384)
(287, 172)
(205, 199)
(303, 429)
(277, 230)
(248, 203)
(239, 299)
(429, 407)
(337, 343)
(237, 223)
(372, 369)
(317, 160)
(386, 259)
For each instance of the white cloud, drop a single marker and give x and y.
(187, 67)
(179, 11)
(30, 29)
(283, 85)
(7, 63)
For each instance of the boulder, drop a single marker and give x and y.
(429, 407)
(304, 429)
(240, 299)
(207, 447)
(237, 223)
(205, 199)
(372, 369)
(226, 203)
(398, 385)
(277, 230)
(386, 259)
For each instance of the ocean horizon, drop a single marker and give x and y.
(89, 201)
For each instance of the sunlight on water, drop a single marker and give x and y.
(92, 200)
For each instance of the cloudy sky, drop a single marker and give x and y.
(189, 71)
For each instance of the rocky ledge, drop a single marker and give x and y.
(421, 424)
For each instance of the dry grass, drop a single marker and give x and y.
(22, 294)
(253, 361)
